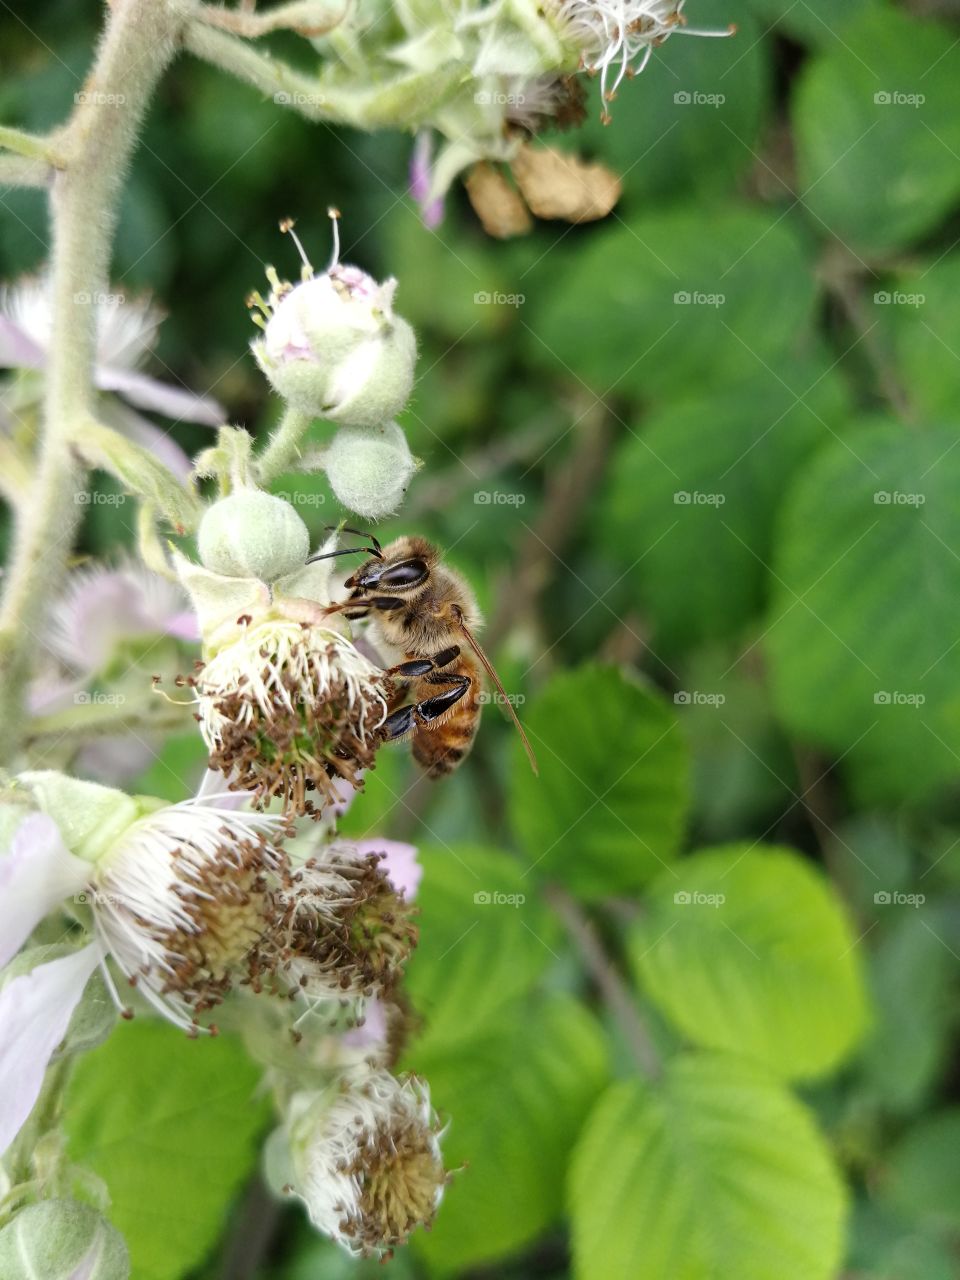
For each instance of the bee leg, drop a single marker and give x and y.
(425, 713)
(417, 668)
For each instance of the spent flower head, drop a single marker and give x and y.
(616, 38)
(351, 926)
(367, 1162)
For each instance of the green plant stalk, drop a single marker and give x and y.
(283, 447)
(94, 146)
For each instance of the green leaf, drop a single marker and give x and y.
(868, 546)
(606, 812)
(516, 1100)
(693, 495)
(922, 1178)
(171, 1126)
(815, 22)
(918, 316)
(485, 939)
(176, 771)
(721, 290)
(718, 1172)
(743, 770)
(912, 974)
(881, 100)
(747, 949)
(691, 122)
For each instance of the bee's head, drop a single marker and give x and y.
(404, 564)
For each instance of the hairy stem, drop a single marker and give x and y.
(23, 171)
(94, 147)
(283, 447)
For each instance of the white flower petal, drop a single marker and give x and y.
(36, 874)
(160, 397)
(35, 1012)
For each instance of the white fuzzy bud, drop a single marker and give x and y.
(253, 535)
(61, 1240)
(369, 470)
(333, 348)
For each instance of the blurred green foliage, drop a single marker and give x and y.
(702, 471)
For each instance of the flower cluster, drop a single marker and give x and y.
(241, 906)
(498, 75)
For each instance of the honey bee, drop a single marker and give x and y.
(426, 611)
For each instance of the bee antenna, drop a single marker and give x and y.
(375, 546)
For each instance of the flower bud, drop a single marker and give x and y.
(333, 347)
(369, 470)
(61, 1240)
(253, 535)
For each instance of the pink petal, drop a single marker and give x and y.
(17, 350)
(159, 442)
(160, 397)
(183, 626)
(36, 874)
(400, 863)
(35, 1012)
(374, 1029)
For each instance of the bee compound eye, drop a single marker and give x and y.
(408, 573)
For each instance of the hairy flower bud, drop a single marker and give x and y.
(369, 470)
(367, 1163)
(332, 345)
(252, 535)
(62, 1240)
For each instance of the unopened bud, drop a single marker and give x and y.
(253, 535)
(62, 1240)
(369, 470)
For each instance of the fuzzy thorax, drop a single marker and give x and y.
(288, 709)
(370, 1168)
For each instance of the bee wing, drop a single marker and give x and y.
(488, 668)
